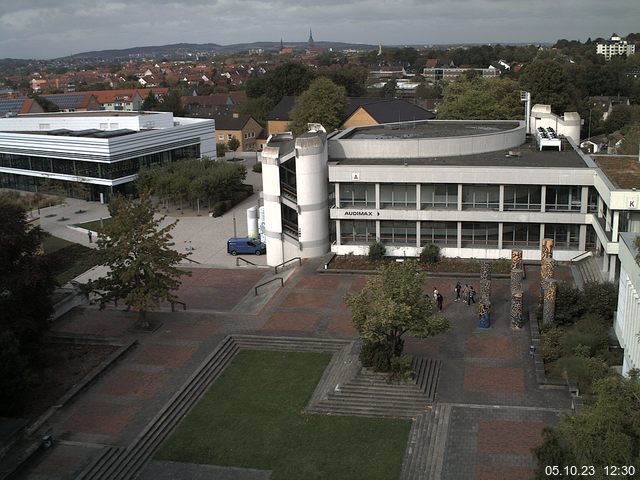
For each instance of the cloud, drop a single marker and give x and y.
(52, 28)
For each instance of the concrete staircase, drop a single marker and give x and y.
(586, 270)
(424, 457)
(369, 393)
(117, 463)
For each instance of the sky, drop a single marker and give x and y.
(43, 29)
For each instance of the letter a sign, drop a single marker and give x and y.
(355, 177)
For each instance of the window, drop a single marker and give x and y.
(563, 198)
(522, 197)
(397, 195)
(229, 136)
(480, 197)
(565, 237)
(440, 233)
(441, 196)
(361, 232)
(357, 195)
(479, 234)
(398, 233)
(520, 235)
(220, 137)
(592, 200)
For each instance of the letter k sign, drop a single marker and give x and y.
(632, 203)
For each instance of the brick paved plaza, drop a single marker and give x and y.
(487, 376)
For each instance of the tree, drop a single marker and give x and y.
(392, 304)
(150, 103)
(389, 89)
(602, 434)
(288, 79)
(26, 283)
(142, 265)
(233, 144)
(474, 97)
(547, 80)
(221, 149)
(324, 102)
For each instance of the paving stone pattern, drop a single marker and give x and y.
(487, 391)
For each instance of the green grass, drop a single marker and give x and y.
(95, 225)
(253, 417)
(67, 259)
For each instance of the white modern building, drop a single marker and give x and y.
(615, 46)
(475, 188)
(627, 321)
(103, 150)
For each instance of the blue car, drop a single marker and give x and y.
(245, 245)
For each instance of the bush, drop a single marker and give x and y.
(600, 299)
(257, 167)
(569, 304)
(588, 332)
(583, 370)
(218, 209)
(376, 251)
(430, 254)
(377, 355)
(400, 369)
(550, 344)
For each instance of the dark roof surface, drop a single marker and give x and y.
(229, 122)
(11, 105)
(282, 109)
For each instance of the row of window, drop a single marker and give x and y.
(82, 168)
(473, 234)
(485, 197)
(247, 136)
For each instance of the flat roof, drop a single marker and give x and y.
(429, 129)
(526, 155)
(623, 171)
(90, 113)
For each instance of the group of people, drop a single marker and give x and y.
(467, 294)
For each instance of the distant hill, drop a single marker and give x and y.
(186, 49)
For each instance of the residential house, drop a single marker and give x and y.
(241, 127)
(74, 102)
(11, 107)
(606, 104)
(209, 106)
(615, 46)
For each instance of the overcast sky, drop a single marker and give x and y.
(55, 28)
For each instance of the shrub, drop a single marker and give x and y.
(583, 370)
(430, 254)
(376, 251)
(257, 167)
(377, 356)
(569, 304)
(600, 299)
(588, 332)
(550, 343)
(400, 369)
(218, 208)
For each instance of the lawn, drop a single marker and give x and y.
(253, 417)
(67, 259)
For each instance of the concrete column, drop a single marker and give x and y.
(500, 230)
(418, 234)
(582, 238)
(459, 245)
(418, 196)
(378, 202)
(543, 200)
(600, 206)
(338, 232)
(605, 262)
(459, 198)
(549, 303)
(377, 230)
(607, 225)
(541, 234)
(501, 204)
(612, 267)
(337, 194)
(616, 224)
(584, 200)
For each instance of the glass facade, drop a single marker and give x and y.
(522, 197)
(398, 233)
(439, 196)
(563, 199)
(521, 235)
(565, 237)
(357, 232)
(441, 233)
(479, 235)
(357, 195)
(398, 195)
(480, 197)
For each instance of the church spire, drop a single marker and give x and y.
(310, 42)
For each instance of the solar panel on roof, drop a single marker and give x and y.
(10, 105)
(59, 131)
(84, 133)
(66, 101)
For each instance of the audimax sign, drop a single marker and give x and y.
(361, 213)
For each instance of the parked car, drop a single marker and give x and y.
(245, 245)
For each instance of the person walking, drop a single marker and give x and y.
(439, 301)
(472, 295)
(435, 294)
(457, 289)
(465, 293)
(90, 235)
